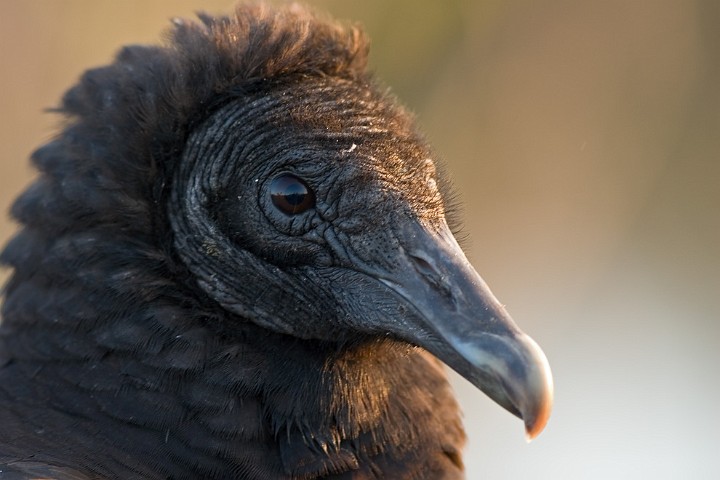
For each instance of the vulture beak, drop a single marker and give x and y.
(464, 325)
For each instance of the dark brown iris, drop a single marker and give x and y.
(291, 195)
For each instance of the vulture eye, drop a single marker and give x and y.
(291, 195)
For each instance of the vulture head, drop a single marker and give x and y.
(232, 265)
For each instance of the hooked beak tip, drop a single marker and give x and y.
(514, 372)
(535, 427)
(537, 414)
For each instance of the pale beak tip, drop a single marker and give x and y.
(543, 404)
(535, 428)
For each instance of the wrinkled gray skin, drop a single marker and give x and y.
(374, 256)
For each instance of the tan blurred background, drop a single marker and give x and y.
(584, 140)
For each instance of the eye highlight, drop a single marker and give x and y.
(291, 195)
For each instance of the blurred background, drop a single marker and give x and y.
(583, 138)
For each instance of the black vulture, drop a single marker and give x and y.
(235, 263)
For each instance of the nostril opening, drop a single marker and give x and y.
(423, 267)
(432, 276)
